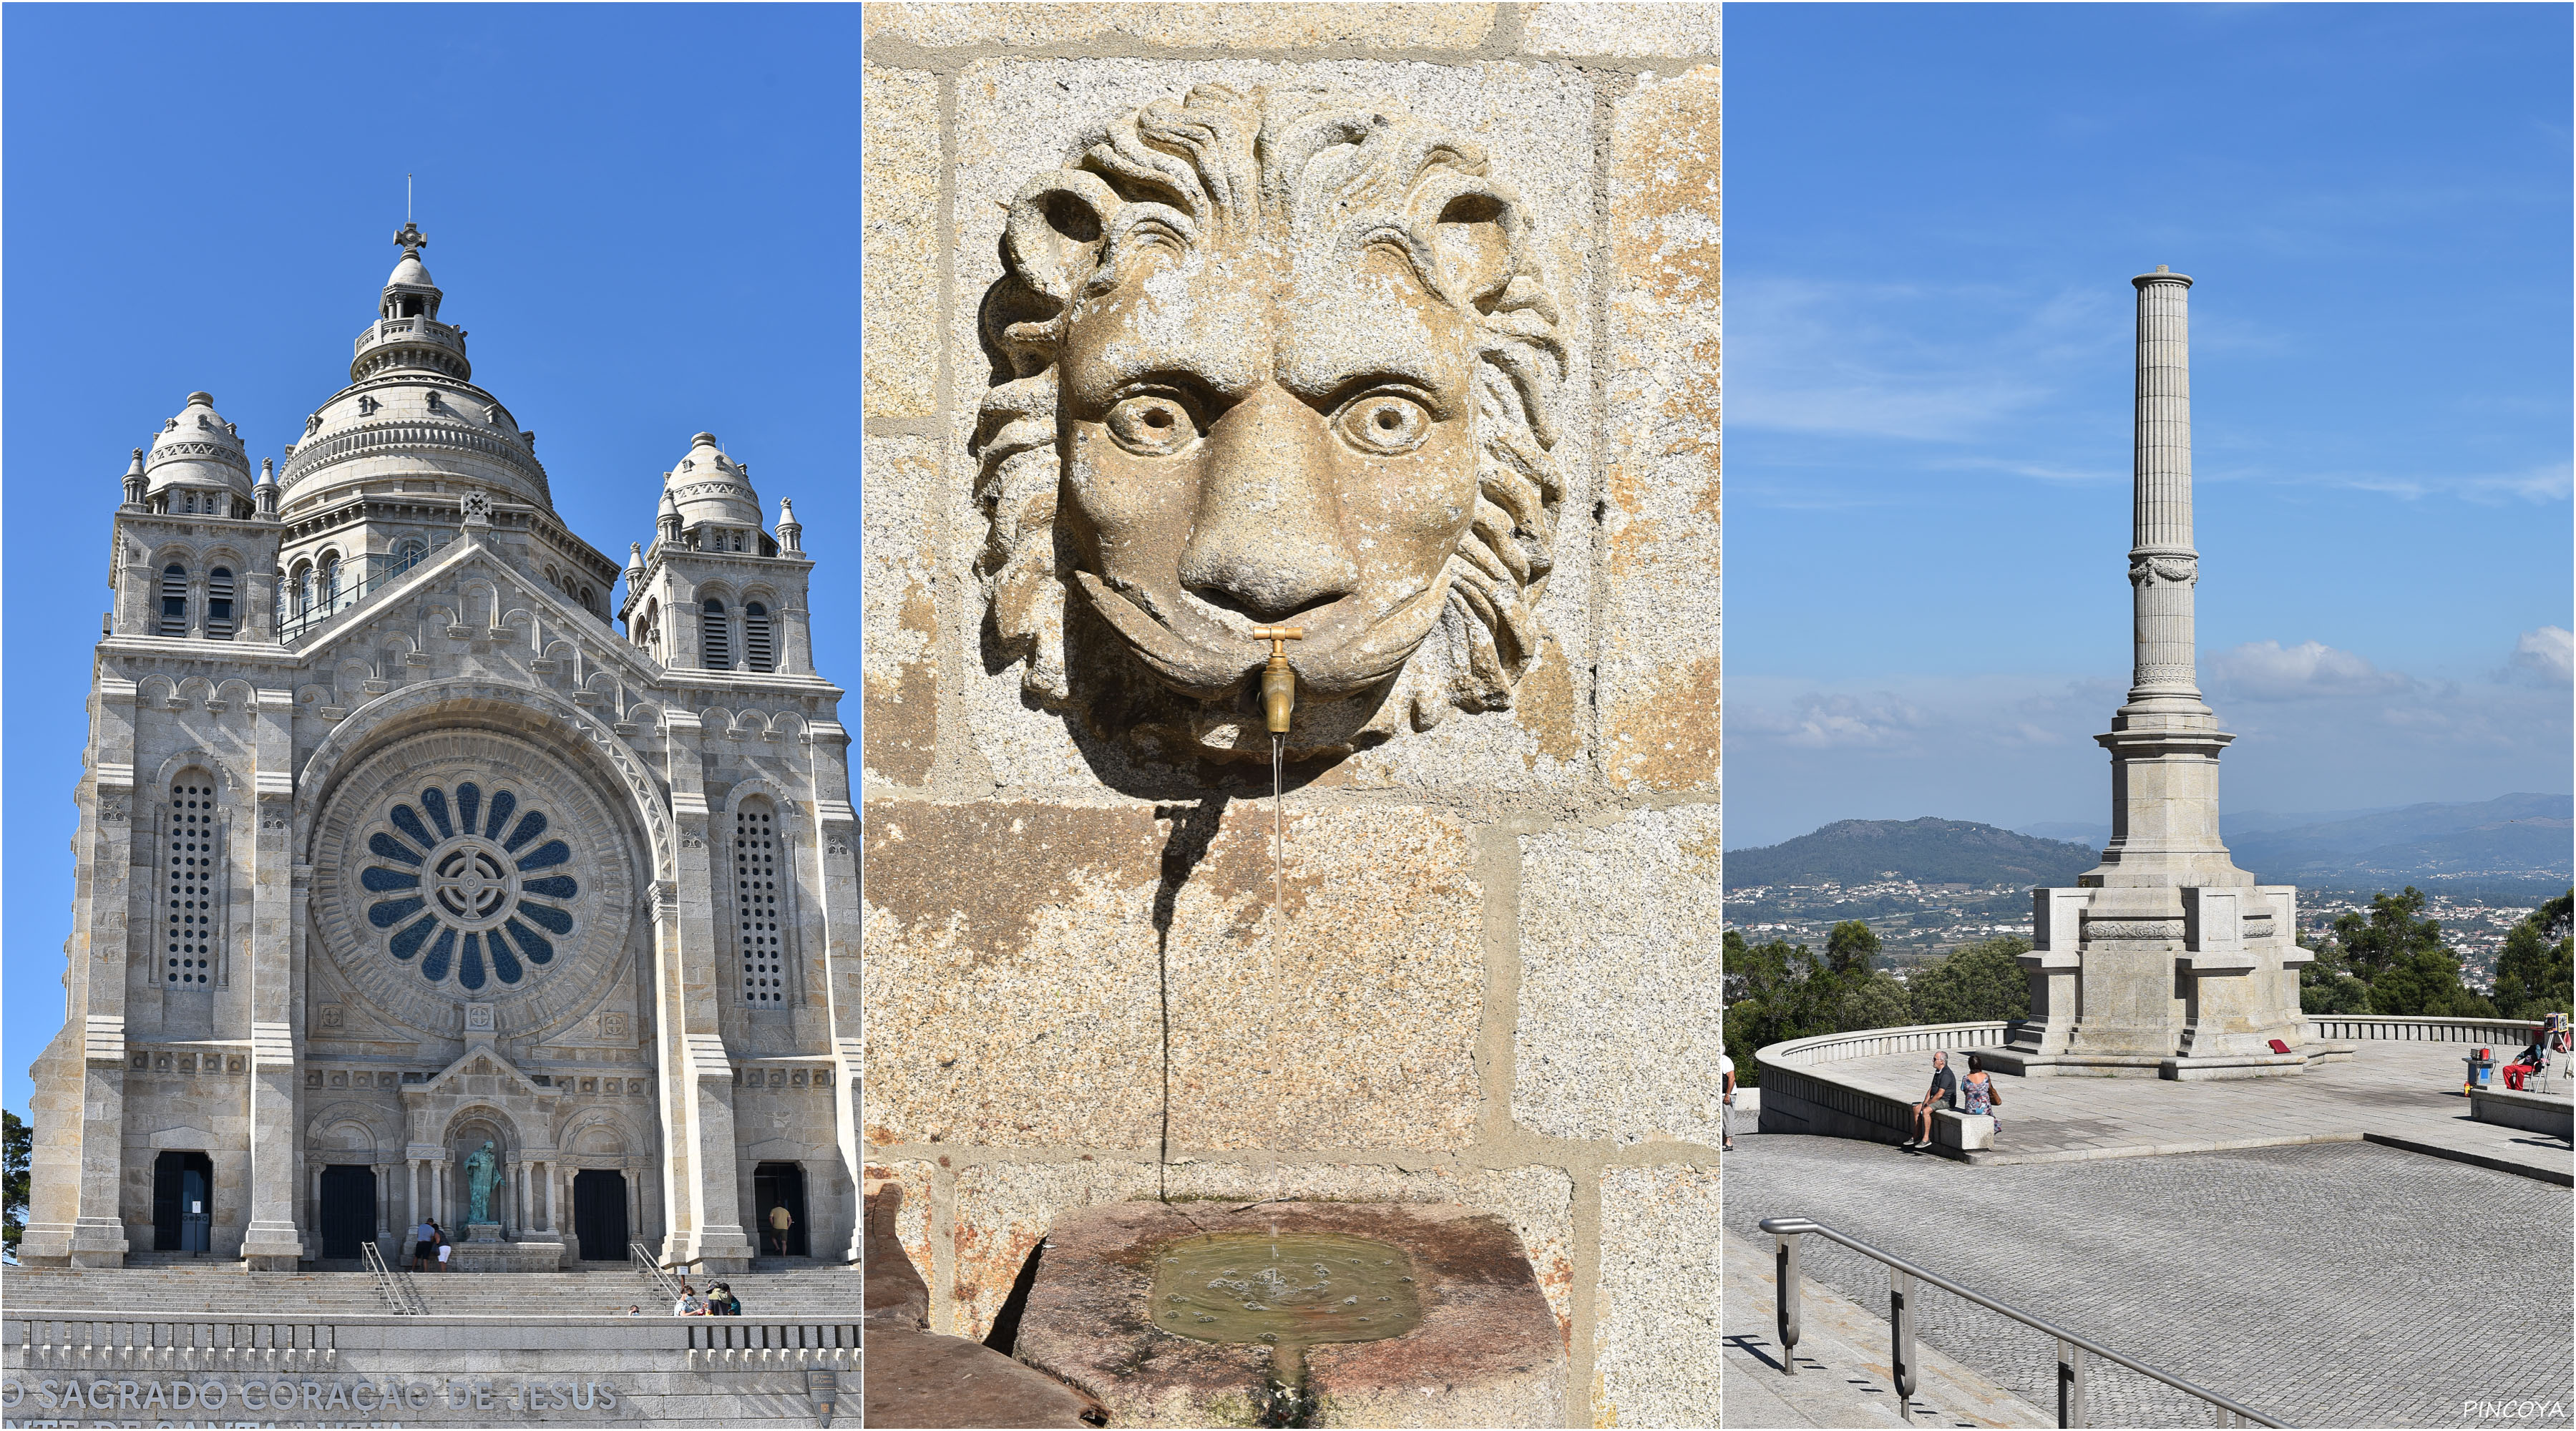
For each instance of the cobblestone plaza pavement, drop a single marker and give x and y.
(2404, 1091)
(2337, 1284)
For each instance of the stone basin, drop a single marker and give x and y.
(1485, 1351)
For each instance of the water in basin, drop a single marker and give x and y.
(1287, 1291)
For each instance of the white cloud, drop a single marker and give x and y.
(2269, 671)
(1826, 720)
(2545, 656)
(2548, 482)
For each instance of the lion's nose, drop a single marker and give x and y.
(1269, 542)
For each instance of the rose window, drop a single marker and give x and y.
(466, 879)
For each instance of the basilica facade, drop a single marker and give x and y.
(408, 884)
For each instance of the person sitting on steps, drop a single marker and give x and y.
(1944, 1093)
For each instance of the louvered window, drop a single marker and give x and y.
(191, 941)
(759, 650)
(174, 600)
(756, 921)
(219, 604)
(711, 631)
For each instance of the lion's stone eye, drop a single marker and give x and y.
(1152, 425)
(1384, 424)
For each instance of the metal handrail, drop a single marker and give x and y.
(650, 1265)
(396, 1285)
(2071, 1349)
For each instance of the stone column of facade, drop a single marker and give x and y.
(279, 884)
(78, 1163)
(2166, 959)
(714, 1236)
(1486, 973)
(836, 969)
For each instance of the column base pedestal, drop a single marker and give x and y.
(498, 1256)
(272, 1247)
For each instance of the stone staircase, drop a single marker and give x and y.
(778, 1287)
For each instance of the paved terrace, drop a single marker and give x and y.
(2339, 1284)
(2404, 1094)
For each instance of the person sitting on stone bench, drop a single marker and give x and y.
(1980, 1094)
(1944, 1093)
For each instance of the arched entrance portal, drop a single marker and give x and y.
(183, 1191)
(773, 1186)
(348, 1211)
(599, 1214)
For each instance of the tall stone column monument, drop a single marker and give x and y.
(2165, 959)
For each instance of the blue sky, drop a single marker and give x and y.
(1932, 216)
(647, 217)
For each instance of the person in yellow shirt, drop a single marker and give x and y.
(779, 1221)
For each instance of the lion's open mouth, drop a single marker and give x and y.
(1345, 649)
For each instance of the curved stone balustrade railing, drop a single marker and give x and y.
(2368, 1028)
(1796, 1098)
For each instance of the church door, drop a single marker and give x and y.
(779, 1185)
(348, 1211)
(182, 1187)
(599, 1214)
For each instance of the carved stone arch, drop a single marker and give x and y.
(789, 726)
(645, 715)
(313, 697)
(715, 723)
(439, 614)
(579, 1134)
(602, 683)
(225, 555)
(719, 590)
(763, 592)
(480, 1110)
(184, 553)
(789, 805)
(194, 689)
(154, 690)
(454, 701)
(472, 588)
(235, 696)
(749, 723)
(518, 616)
(351, 677)
(199, 757)
(349, 1113)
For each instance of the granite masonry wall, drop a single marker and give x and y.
(1493, 977)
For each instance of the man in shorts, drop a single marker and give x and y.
(1944, 1093)
(424, 1241)
(779, 1221)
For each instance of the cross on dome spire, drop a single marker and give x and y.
(411, 239)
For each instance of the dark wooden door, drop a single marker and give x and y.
(779, 1185)
(182, 1189)
(348, 1212)
(599, 1214)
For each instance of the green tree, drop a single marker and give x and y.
(2389, 936)
(2533, 973)
(1851, 949)
(2326, 983)
(17, 1151)
(1977, 981)
(2400, 955)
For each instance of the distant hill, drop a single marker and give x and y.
(2504, 843)
(1928, 850)
(2529, 836)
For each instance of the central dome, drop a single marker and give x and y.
(409, 411)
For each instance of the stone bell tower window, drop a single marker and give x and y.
(758, 937)
(192, 937)
(174, 600)
(711, 631)
(219, 604)
(760, 651)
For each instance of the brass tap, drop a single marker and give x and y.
(1278, 679)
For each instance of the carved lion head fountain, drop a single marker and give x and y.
(1268, 358)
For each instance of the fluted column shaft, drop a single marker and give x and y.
(2163, 567)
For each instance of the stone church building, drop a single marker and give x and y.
(401, 837)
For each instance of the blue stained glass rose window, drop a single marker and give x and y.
(466, 878)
